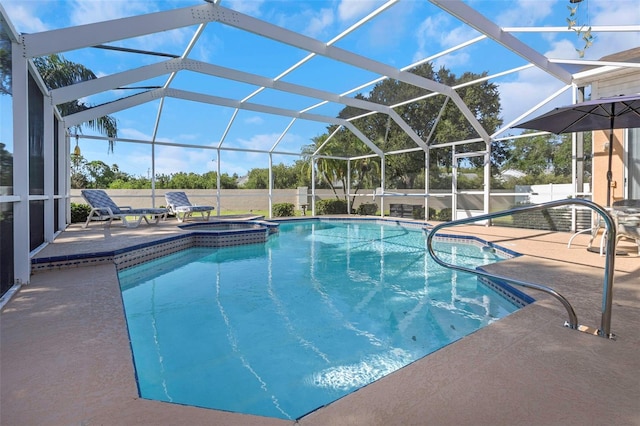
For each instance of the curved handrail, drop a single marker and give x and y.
(607, 299)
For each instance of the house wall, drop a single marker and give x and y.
(619, 82)
(600, 166)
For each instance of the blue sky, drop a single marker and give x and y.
(406, 32)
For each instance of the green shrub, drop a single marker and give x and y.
(283, 209)
(331, 207)
(367, 209)
(432, 213)
(444, 215)
(417, 212)
(79, 212)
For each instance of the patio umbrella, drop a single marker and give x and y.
(620, 112)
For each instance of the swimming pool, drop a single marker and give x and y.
(282, 328)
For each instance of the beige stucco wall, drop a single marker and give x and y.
(600, 165)
(621, 81)
(248, 200)
(230, 199)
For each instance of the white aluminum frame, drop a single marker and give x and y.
(29, 46)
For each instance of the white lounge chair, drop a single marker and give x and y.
(626, 214)
(178, 204)
(104, 209)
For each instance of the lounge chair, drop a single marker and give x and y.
(104, 209)
(178, 204)
(626, 214)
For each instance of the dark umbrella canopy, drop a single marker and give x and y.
(620, 112)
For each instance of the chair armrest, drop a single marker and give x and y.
(99, 210)
(125, 207)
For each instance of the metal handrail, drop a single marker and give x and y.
(607, 297)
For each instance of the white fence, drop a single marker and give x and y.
(536, 194)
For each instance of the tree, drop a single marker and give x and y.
(562, 155)
(402, 170)
(284, 177)
(6, 166)
(100, 174)
(533, 155)
(228, 182)
(301, 172)
(79, 178)
(257, 179)
(56, 71)
(330, 170)
(5, 62)
(548, 155)
(334, 172)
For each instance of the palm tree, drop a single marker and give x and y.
(56, 71)
(333, 170)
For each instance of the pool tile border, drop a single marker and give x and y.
(454, 238)
(140, 253)
(515, 296)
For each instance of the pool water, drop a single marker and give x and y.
(283, 328)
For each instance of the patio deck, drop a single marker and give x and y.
(65, 356)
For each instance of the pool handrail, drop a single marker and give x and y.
(607, 296)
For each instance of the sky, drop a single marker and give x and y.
(405, 33)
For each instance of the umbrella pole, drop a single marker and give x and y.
(609, 174)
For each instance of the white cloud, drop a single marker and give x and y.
(135, 159)
(254, 120)
(188, 137)
(379, 35)
(208, 46)
(452, 60)
(132, 133)
(457, 36)
(433, 35)
(242, 162)
(237, 165)
(436, 31)
(427, 31)
(562, 49)
(23, 17)
(353, 9)
(319, 22)
(86, 12)
(525, 12)
(530, 87)
(249, 7)
(612, 13)
(607, 12)
(263, 142)
(170, 159)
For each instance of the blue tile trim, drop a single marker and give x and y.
(503, 287)
(139, 253)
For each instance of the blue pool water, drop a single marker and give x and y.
(282, 328)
